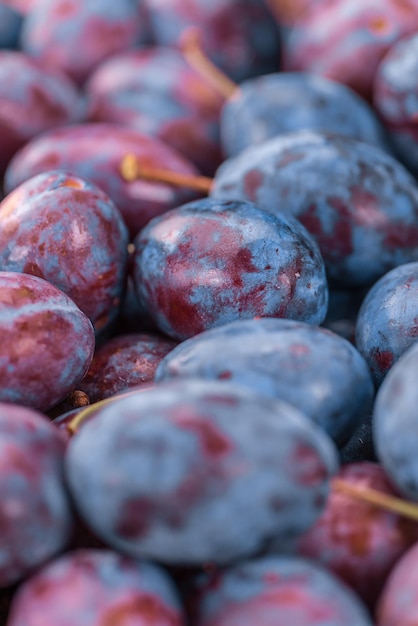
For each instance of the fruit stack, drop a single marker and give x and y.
(208, 313)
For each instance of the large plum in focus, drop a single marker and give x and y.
(95, 152)
(61, 228)
(47, 342)
(35, 514)
(192, 471)
(211, 262)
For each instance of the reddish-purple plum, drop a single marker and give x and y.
(97, 588)
(346, 39)
(357, 541)
(47, 342)
(124, 361)
(33, 99)
(35, 513)
(95, 152)
(75, 36)
(157, 92)
(61, 228)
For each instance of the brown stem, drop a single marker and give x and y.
(191, 46)
(377, 498)
(73, 426)
(131, 170)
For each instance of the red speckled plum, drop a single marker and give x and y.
(61, 228)
(47, 342)
(211, 262)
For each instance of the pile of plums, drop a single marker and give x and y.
(208, 312)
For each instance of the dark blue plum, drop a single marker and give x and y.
(97, 588)
(10, 25)
(35, 513)
(279, 590)
(211, 262)
(395, 423)
(275, 104)
(359, 203)
(313, 369)
(195, 471)
(387, 322)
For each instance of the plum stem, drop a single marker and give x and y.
(377, 498)
(131, 170)
(74, 424)
(191, 46)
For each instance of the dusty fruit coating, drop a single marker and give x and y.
(360, 543)
(279, 590)
(95, 152)
(47, 342)
(61, 228)
(97, 588)
(123, 362)
(284, 102)
(157, 92)
(75, 37)
(33, 99)
(167, 473)
(358, 202)
(387, 321)
(211, 262)
(395, 423)
(313, 369)
(35, 513)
